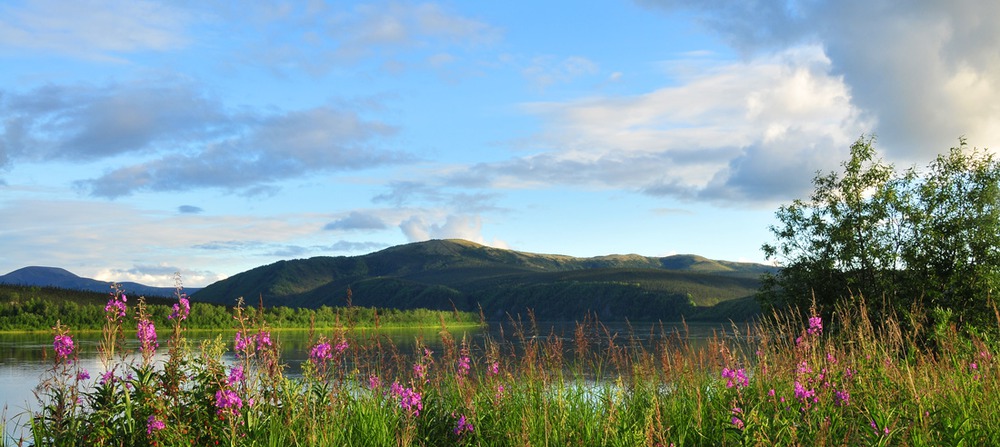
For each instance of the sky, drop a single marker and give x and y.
(139, 139)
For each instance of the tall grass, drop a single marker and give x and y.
(792, 379)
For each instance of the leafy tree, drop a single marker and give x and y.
(897, 238)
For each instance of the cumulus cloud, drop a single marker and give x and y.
(454, 227)
(157, 275)
(746, 132)
(92, 29)
(926, 70)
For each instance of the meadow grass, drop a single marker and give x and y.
(792, 379)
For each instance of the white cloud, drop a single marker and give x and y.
(183, 139)
(746, 132)
(465, 227)
(92, 29)
(926, 70)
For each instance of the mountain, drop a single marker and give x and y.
(458, 274)
(61, 278)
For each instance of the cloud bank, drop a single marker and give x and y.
(925, 69)
(183, 138)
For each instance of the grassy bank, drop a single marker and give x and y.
(788, 381)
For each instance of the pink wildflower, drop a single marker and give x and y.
(463, 365)
(154, 424)
(815, 325)
(320, 353)
(736, 377)
(236, 375)
(341, 346)
(463, 427)
(181, 309)
(737, 422)
(63, 345)
(145, 331)
(227, 401)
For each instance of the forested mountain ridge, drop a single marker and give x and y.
(446, 274)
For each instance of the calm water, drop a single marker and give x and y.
(24, 358)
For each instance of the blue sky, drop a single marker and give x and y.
(142, 138)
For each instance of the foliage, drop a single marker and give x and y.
(912, 238)
(787, 381)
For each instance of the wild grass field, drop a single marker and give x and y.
(792, 379)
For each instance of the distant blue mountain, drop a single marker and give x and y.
(63, 279)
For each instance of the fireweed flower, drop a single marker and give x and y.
(374, 382)
(841, 398)
(154, 424)
(419, 371)
(883, 432)
(463, 426)
(320, 353)
(63, 345)
(146, 333)
(737, 422)
(411, 401)
(82, 375)
(341, 346)
(240, 343)
(235, 375)
(116, 307)
(463, 365)
(802, 394)
(263, 339)
(181, 309)
(107, 377)
(227, 401)
(815, 325)
(735, 377)
(493, 369)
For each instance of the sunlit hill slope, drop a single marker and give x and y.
(447, 274)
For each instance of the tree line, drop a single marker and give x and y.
(30, 308)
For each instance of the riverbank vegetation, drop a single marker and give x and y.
(32, 308)
(789, 380)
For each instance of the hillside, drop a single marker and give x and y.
(447, 274)
(63, 279)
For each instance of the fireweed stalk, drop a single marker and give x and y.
(173, 376)
(146, 334)
(114, 316)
